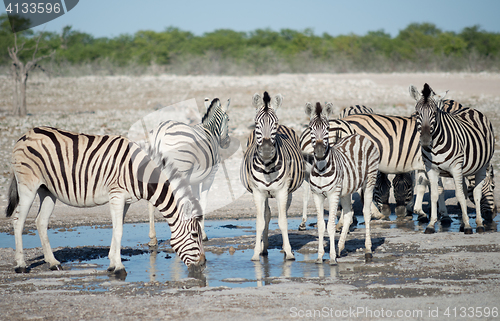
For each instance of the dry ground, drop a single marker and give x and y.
(446, 269)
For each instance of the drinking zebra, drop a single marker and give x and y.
(194, 151)
(272, 167)
(89, 170)
(338, 171)
(453, 145)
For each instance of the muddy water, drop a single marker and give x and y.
(228, 254)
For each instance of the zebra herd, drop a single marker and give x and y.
(334, 158)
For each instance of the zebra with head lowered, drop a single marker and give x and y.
(194, 151)
(89, 170)
(453, 145)
(338, 171)
(272, 167)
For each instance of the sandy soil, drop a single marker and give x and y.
(411, 271)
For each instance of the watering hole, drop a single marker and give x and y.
(83, 253)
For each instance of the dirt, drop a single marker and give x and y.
(413, 276)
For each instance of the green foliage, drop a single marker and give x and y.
(418, 47)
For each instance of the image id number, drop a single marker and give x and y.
(40, 7)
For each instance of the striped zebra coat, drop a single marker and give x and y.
(89, 170)
(453, 145)
(338, 171)
(194, 151)
(272, 167)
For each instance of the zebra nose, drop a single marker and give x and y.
(202, 261)
(319, 150)
(267, 149)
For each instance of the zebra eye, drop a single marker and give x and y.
(194, 234)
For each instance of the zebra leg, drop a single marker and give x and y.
(205, 188)
(367, 216)
(305, 201)
(381, 195)
(347, 212)
(47, 202)
(153, 241)
(265, 234)
(118, 208)
(433, 180)
(421, 183)
(319, 202)
(459, 193)
(282, 198)
(260, 201)
(443, 211)
(26, 197)
(478, 193)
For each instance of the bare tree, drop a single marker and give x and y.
(20, 72)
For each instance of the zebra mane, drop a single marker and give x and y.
(426, 92)
(210, 110)
(319, 109)
(189, 205)
(267, 101)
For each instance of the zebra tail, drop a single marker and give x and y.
(13, 197)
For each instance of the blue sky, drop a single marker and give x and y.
(110, 18)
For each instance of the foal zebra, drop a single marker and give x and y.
(89, 170)
(338, 171)
(194, 151)
(272, 167)
(453, 145)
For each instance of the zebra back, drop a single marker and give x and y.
(354, 110)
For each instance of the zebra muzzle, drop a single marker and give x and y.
(267, 149)
(319, 151)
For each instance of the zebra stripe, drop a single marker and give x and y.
(338, 171)
(89, 170)
(453, 145)
(272, 167)
(194, 151)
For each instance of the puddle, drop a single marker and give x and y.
(86, 247)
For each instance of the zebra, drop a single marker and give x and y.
(339, 170)
(88, 170)
(194, 151)
(272, 167)
(453, 144)
(337, 129)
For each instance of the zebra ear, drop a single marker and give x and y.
(414, 93)
(227, 105)
(207, 103)
(277, 101)
(439, 99)
(328, 109)
(309, 109)
(257, 101)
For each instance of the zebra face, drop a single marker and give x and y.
(188, 244)
(426, 108)
(266, 125)
(319, 127)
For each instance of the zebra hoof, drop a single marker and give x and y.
(319, 261)
(400, 211)
(468, 230)
(56, 267)
(462, 228)
(422, 218)
(446, 221)
(120, 274)
(332, 262)
(430, 230)
(480, 229)
(386, 210)
(368, 257)
(289, 257)
(302, 226)
(22, 269)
